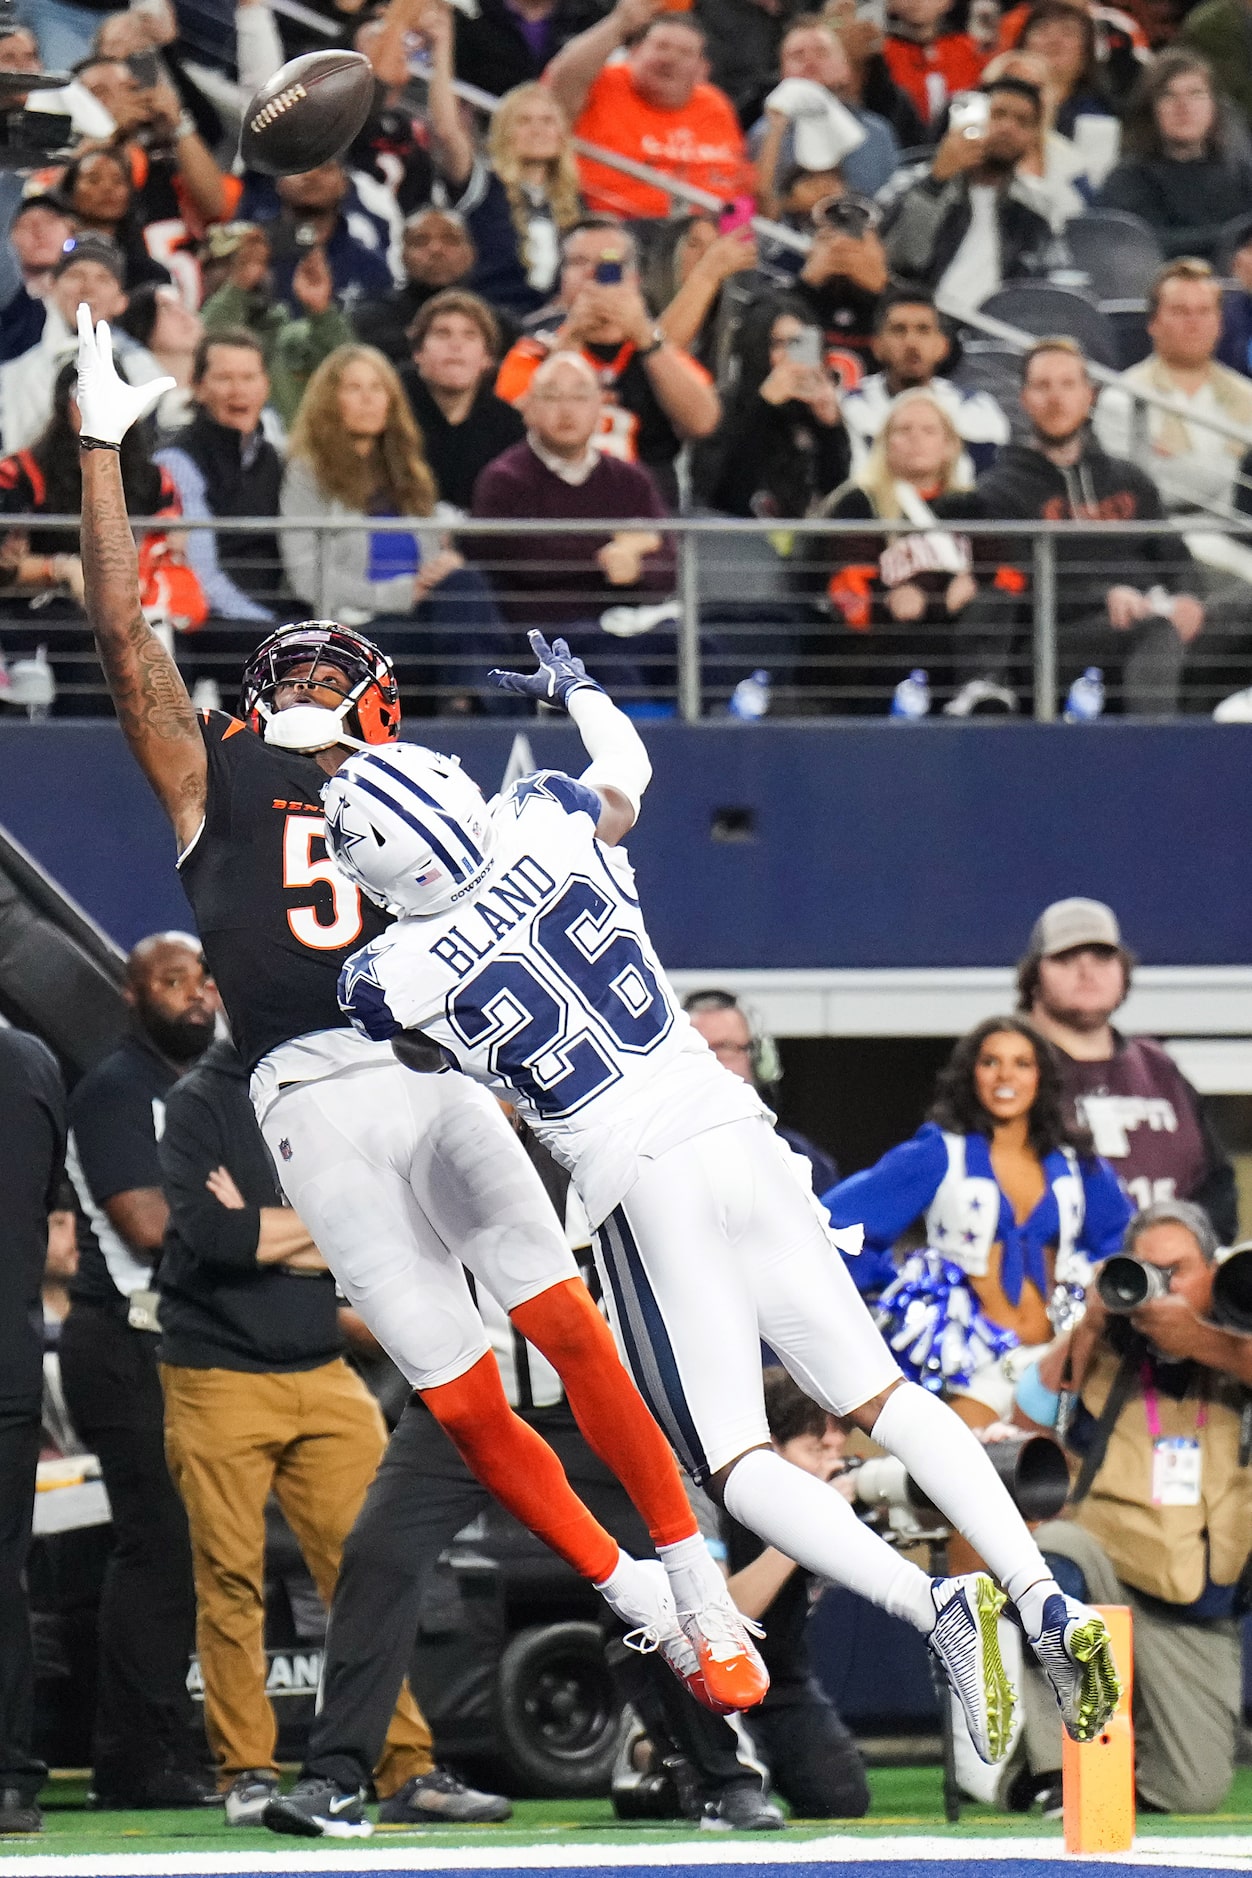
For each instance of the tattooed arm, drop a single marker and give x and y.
(148, 693)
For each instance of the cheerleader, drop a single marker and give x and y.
(1016, 1206)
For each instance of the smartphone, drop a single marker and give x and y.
(968, 112)
(738, 215)
(805, 347)
(146, 68)
(609, 272)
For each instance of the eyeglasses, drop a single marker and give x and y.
(549, 396)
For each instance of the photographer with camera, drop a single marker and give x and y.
(1151, 1390)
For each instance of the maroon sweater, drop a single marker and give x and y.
(553, 577)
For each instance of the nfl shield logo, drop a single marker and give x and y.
(284, 1148)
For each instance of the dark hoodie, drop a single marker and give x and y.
(1024, 485)
(219, 1308)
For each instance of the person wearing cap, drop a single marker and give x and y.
(1144, 1115)
(37, 236)
(91, 270)
(1160, 1516)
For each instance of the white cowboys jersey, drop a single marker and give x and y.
(544, 985)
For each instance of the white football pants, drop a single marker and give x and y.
(716, 1247)
(402, 1179)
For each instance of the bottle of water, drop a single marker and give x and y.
(750, 698)
(1086, 697)
(911, 698)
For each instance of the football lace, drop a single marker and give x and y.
(276, 106)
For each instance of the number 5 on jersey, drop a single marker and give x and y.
(301, 868)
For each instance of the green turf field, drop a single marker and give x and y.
(906, 1800)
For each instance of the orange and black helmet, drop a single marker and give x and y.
(372, 688)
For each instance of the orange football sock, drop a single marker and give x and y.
(520, 1468)
(565, 1325)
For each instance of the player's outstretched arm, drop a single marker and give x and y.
(620, 769)
(148, 693)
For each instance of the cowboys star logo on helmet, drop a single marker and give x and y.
(410, 827)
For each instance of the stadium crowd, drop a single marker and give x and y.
(377, 340)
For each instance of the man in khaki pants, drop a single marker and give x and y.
(258, 1398)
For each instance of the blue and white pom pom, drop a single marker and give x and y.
(935, 1325)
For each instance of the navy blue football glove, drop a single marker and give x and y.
(560, 674)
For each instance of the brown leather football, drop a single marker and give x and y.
(309, 112)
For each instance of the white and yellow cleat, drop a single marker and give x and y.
(966, 1641)
(1075, 1653)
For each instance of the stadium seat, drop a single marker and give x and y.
(1119, 254)
(1046, 311)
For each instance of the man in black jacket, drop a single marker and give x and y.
(1135, 634)
(32, 1152)
(258, 1398)
(969, 220)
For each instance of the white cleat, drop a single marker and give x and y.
(966, 1641)
(1075, 1653)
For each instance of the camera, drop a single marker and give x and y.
(1124, 1283)
(846, 215)
(1231, 1308)
(1032, 1467)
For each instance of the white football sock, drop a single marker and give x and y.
(628, 1591)
(951, 1467)
(693, 1574)
(809, 1521)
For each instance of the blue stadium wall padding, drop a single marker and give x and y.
(859, 844)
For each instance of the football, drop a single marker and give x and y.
(309, 112)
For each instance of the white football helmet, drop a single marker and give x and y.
(409, 827)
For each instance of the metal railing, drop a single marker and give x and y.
(743, 595)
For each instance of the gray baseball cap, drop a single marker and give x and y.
(1070, 923)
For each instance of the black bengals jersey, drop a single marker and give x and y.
(276, 918)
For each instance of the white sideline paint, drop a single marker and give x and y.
(1229, 1853)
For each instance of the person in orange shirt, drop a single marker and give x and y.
(655, 106)
(927, 62)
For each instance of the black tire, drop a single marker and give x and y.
(557, 1711)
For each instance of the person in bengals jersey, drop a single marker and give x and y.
(427, 1176)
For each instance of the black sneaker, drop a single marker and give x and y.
(742, 1808)
(319, 1809)
(439, 1798)
(18, 1812)
(248, 1795)
(168, 1788)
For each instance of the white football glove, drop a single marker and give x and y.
(107, 405)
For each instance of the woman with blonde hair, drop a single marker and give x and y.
(895, 597)
(518, 204)
(356, 452)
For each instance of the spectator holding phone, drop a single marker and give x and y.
(175, 175)
(655, 394)
(969, 220)
(782, 445)
(516, 206)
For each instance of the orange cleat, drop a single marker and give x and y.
(731, 1670)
